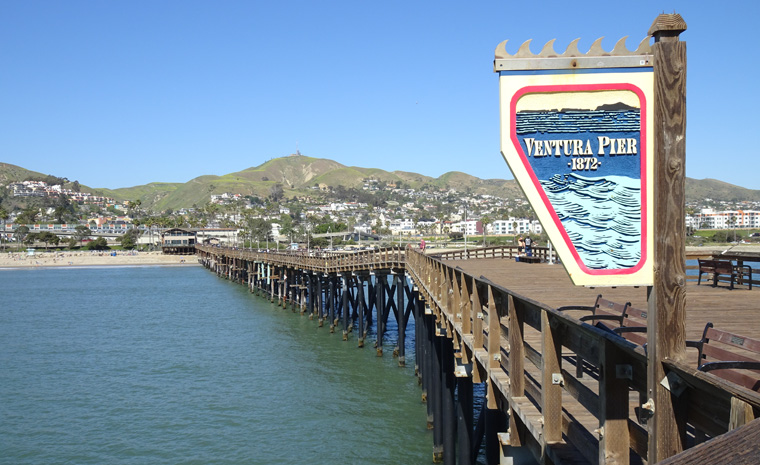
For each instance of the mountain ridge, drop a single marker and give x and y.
(298, 174)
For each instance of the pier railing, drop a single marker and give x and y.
(570, 389)
(325, 262)
(501, 251)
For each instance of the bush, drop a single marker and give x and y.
(98, 244)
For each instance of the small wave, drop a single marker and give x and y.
(602, 217)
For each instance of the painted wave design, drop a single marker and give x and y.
(602, 217)
(577, 121)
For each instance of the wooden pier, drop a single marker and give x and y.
(564, 389)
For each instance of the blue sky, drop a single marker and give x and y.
(117, 94)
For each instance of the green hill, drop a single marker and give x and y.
(298, 174)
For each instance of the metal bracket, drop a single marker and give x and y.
(673, 383)
(557, 379)
(461, 371)
(624, 372)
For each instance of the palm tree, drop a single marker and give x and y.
(3, 216)
(485, 221)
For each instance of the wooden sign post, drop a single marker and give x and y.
(597, 142)
(667, 298)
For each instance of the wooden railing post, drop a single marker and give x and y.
(494, 346)
(477, 319)
(551, 384)
(614, 440)
(516, 367)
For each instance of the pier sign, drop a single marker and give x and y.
(576, 134)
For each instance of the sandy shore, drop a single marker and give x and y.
(15, 260)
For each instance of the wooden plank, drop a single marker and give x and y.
(738, 447)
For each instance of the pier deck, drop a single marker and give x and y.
(736, 310)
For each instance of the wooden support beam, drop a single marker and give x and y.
(667, 298)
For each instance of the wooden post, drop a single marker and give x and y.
(401, 317)
(551, 389)
(361, 305)
(448, 412)
(667, 298)
(516, 367)
(381, 282)
(614, 440)
(331, 302)
(344, 306)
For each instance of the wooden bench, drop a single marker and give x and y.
(634, 326)
(719, 268)
(718, 354)
(621, 319)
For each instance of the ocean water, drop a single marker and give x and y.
(173, 365)
(602, 217)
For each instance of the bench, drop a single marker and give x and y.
(718, 355)
(718, 268)
(623, 320)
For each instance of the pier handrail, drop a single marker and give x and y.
(323, 262)
(500, 251)
(542, 395)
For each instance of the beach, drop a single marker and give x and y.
(93, 258)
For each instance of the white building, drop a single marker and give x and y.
(469, 227)
(512, 226)
(402, 226)
(710, 219)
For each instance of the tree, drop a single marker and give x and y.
(81, 233)
(47, 237)
(257, 229)
(98, 244)
(134, 206)
(485, 221)
(286, 225)
(21, 233)
(276, 192)
(3, 216)
(30, 238)
(28, 216)
(732, 222)
(128, 240)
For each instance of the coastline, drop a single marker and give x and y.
(87, 258)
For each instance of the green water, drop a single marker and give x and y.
(174, 365)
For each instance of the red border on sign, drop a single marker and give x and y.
(540, 189)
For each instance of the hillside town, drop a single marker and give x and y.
(378, 211)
